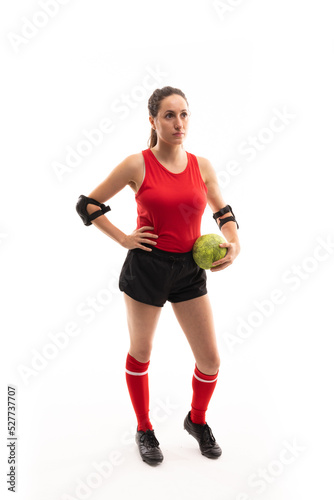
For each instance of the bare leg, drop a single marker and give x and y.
(142, 322)
(196, 320)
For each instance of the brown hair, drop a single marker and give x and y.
(154, 106)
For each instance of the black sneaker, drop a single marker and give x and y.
(149, 447)
(203, 434)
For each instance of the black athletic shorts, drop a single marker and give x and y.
(157, 276)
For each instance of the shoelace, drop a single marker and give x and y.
(207, 436)
(149, 439)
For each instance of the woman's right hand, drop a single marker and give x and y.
(138, 237)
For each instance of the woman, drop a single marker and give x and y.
(172, 188)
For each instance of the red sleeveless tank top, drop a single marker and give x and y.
(172, 203)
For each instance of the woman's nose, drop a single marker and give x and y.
(178, 123)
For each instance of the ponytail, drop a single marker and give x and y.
(153, 139)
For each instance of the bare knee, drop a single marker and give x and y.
(140, 353)
(209, 365)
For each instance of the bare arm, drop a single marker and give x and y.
(216, 202)
(127, 173)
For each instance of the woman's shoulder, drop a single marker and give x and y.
(203, 162)
(205, 167)
(133, 163)
(133, 160)
(133, 168)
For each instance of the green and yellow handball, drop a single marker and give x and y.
(206, 250)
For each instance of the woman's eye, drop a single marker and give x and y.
(171, 114)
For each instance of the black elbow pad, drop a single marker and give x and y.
(81, 208)
(223, 221)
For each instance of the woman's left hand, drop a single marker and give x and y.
(233, 250)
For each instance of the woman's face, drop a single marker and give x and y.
(172, 121)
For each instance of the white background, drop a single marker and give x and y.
(238, 67)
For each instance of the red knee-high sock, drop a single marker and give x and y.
(137, 381)
(203, 387)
